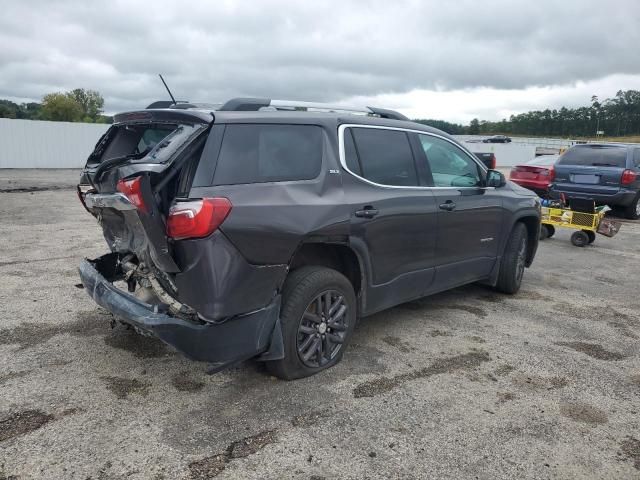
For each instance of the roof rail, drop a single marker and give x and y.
(255, 104)
(384, 113)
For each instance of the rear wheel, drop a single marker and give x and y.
(579, 238)
(591, 235)
(544, 232)
(513, 261)
(318, 316)
(551, 229)
(632, 211)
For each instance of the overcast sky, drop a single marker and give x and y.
(429, 59)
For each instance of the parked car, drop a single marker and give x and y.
(606, 173)
(249, 233)
(497, 139)
(488, 159)
(536, 174)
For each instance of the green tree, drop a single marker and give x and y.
(61, 107)
(474, 127)
(91, 103)
(8, 109)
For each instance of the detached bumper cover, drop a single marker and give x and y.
(236, 339)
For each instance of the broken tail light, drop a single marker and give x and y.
(197, 218)
(82, 190)
(132, 189)
(628, 177)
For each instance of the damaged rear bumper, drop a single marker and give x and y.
(238, 338)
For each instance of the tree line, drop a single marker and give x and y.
(617, 116)
(78, 105)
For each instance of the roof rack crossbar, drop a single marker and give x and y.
(255, 104)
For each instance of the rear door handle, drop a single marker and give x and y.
(448, 206)
(366, 212)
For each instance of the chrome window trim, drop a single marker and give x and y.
(343, 161)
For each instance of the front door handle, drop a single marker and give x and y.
(449, 206)
(366, 212)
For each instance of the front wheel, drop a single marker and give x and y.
(580, 238)
(318, 316)
(513, 261)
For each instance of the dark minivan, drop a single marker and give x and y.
(241, 233)
(606, 173)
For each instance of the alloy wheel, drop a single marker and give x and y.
(322, 329)
(521, 260)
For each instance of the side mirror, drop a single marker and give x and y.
(495, 179)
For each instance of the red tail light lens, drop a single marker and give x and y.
(493, 162)
(628, 176)
(552, 174)
(132, 189)
(198, 218)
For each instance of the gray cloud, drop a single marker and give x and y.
(321, 50)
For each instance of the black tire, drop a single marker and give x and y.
(513, 261)
(579, 238)
(632, 212)
(551, 229)
(300, 294)
(591, 235)
(544, 232)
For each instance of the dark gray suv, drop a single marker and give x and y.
(606, 173)
(261, 229)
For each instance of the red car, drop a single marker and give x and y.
(536, 174)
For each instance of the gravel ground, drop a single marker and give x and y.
(465, 384)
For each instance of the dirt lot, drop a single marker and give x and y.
(467, 384)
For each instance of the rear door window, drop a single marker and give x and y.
(269, 153)
(385, 156)
(350, 153)
(599, 156)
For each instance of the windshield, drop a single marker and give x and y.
(148, 142)
(595, 156)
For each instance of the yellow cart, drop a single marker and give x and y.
(585, 224)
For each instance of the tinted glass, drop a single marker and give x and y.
(385, 156)
(636, 157)
(350, 154)
(449, 165)
(595, 156)
(269, 153)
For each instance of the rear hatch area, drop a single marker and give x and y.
(591, 169)
(131, 180)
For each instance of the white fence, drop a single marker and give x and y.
(507, 154)
(41, 144)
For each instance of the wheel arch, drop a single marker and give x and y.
(336, 255)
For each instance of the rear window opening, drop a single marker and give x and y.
(595, 156)
(141, 140)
